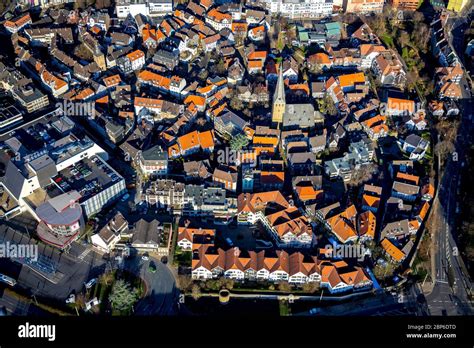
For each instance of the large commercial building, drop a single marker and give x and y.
(55, 163)
(153, 8)
(363, 6)
(61, 219)
(299, 9)
(406, 5)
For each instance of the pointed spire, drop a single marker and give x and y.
(279, 96)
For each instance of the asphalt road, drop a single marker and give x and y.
(450, 292)
(162, 295)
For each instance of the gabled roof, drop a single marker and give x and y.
(394, 252)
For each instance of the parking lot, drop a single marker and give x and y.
(245, 237)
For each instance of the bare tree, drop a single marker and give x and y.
(363, 174)
(184, 282)
(196, 292)
(284, 286)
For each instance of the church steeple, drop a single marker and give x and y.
(279, 101)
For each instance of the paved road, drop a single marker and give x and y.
(381, 304)
(71, 269)
(450, 292)
(162, 295)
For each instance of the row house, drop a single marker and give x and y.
(225, 177)
(191, 200)
(153, 161)
(296, 268)
(209, 203)
(165, 193)
(188, 236)
(286, 224)
(46, 35)
(54, 84)
(191, 143)
(16, 24)
(406, 192)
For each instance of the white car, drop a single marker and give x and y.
(71, 299)
(91, 283)
(145, 258)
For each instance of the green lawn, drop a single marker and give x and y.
(284, 308)
(387, 40)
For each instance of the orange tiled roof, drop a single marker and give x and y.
(219, 16)
(257, 55)
(351, 79)
(135, 55)
(320, 58)
(196, 99)
(343, 224)
(148, 33)
(408, 177)
(367, 224)
(392, 250)
(300, 87)
(401, 104)
(424, 210)
(111, 81)
(257, 30)
(370, 201)
(148, 102)
(155, 79)
(239, 26)
(206, 139)
(19, 22)
(103, 100)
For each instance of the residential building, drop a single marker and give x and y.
(16, 24)
(415, 146)
(359, 154)
(109, 235)
(153, 161)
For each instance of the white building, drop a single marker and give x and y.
(137, 59)
(152, 8)
(300, 8)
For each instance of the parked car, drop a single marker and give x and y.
(152, 267)
(91, 283)
(229, 241)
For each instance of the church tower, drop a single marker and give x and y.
(279, 102)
